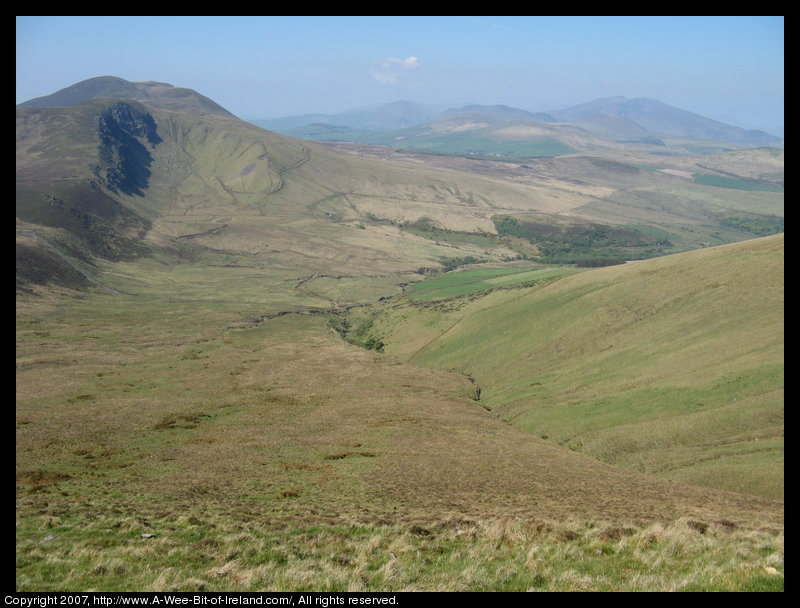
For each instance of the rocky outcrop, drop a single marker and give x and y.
(127, 136)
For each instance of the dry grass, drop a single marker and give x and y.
(508, 554)
(211, 428)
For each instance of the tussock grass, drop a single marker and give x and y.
(506, 554)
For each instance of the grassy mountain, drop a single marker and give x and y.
(672, 366)
(487, 135)
(156, 94)
(615, 128)
(188, 419)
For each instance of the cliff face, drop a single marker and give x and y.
(75, 167)
(127, 136)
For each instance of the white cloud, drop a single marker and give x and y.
(392, 69)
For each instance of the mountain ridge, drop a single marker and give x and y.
(661, 118)
(158, 94)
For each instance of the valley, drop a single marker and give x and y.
(332, 366)
(638, 365)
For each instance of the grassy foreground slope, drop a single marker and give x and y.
(168, 445)
(671, 366)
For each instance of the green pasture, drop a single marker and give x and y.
(473, 280)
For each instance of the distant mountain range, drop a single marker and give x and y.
(661, 118)
(397, 115)
(617, 119)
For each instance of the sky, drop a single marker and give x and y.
(727, 68)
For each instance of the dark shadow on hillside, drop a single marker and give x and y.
(126, 134)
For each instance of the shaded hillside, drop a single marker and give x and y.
(672, 366)
(39, 265)
(74, 165)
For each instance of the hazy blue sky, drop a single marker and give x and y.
(728, 68)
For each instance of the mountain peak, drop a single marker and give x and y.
(502, 112)
(157, 94)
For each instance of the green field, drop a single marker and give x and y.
(481, 146)
(463, 282)
(470, 143)
(719, 181)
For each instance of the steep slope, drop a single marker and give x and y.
(671, 366)
(75, 167)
